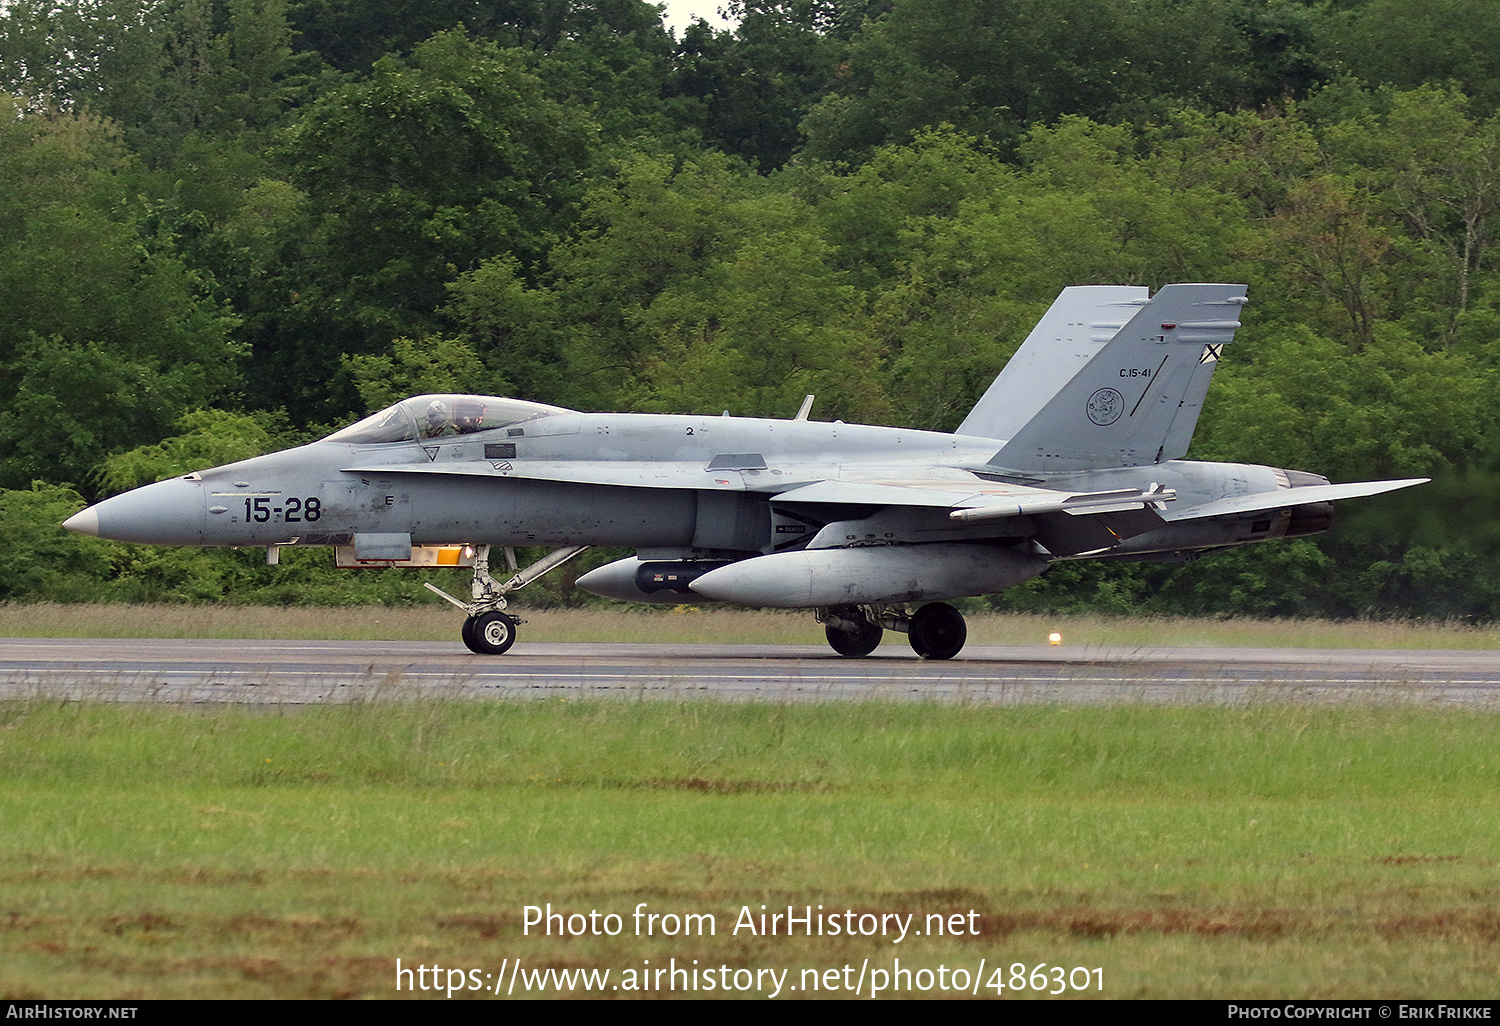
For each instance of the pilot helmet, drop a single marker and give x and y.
(470, 416)
(437, 414)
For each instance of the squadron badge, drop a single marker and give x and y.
(1105, 406)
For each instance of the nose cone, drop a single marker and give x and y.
(165, 513)
(84, 522)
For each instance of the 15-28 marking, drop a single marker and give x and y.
(296, 510)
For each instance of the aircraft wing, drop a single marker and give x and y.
(1282, 498)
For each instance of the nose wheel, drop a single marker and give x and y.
(489, 633)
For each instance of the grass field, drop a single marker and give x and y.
(697, 624)
(1270, 851)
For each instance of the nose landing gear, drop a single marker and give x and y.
(489, 630)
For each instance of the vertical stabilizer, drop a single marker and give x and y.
(1137, 401)
(1082, 319)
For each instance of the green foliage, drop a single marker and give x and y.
(997, 69)
(436, 162)
(760, 328)
(38, 559)
(751, 87)
(304, 577)
(352, 35)
(1391, 409)
(417, 368)
(1432, 172)
(1410, 43)
(514, 329)
(209, 438)
(105, 334)
(433, 164)
(1285, 578)
(166, 72)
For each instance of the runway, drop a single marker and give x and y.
(310, 672)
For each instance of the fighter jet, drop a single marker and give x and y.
(1074, 452)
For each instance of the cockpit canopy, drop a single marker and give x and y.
(441, 416)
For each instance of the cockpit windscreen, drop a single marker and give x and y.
(441, 416)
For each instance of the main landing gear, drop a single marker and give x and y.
(489, 630)
(935, 631)
(849, 632)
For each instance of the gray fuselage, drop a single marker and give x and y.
(647, 481)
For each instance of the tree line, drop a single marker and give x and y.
(228, 226)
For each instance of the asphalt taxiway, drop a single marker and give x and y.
(304, 672)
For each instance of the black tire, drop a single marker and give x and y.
(490, 633)
(937, 631)
(854, 643)
(467, 633)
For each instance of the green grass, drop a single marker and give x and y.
(1269, 851)
(709, 625)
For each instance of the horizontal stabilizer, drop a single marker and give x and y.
(1283, 498)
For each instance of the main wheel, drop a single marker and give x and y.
(937, 631)
(855, 643)
(489, 633)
